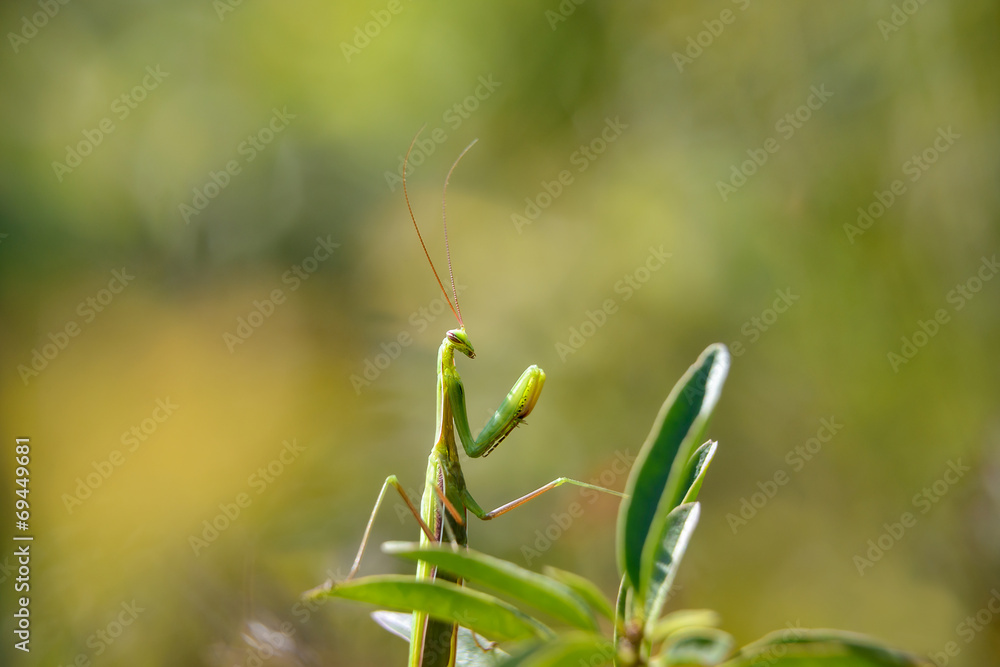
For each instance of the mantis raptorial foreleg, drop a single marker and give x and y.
(513, 409)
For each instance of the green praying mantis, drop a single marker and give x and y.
(446, 500)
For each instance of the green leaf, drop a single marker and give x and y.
(826, 659)
(661, 559)
(657, 475)
(468, 652)
(822, 648)
(399, 623)
(569, 650)
(696, 646)
(622, 608)
(682, 619)
(694, 474)
(541, 592)
(585, 588)
(481, 613)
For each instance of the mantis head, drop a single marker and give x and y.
(460, 341)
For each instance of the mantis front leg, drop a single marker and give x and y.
(520, 401)
(512, 411)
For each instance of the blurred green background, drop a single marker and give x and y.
(311, 117)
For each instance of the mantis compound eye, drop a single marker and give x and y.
(461, 342)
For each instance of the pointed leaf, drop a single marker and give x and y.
(399, 623)
(481, 613)
(682, 619)
(569, 650)
(585, 588)
(543, 593)
(622, 608)
(695, 472)
(797, 647)
(707, 647)
(468, 653)
(657, 475)
(662, 558)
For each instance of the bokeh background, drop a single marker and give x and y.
(691, 88)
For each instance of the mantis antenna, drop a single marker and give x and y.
(444, 220)
(454, 308)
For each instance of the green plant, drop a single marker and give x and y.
(655, 524)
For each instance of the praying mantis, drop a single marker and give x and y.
(446, 500)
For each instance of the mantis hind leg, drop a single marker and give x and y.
(514, 408)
